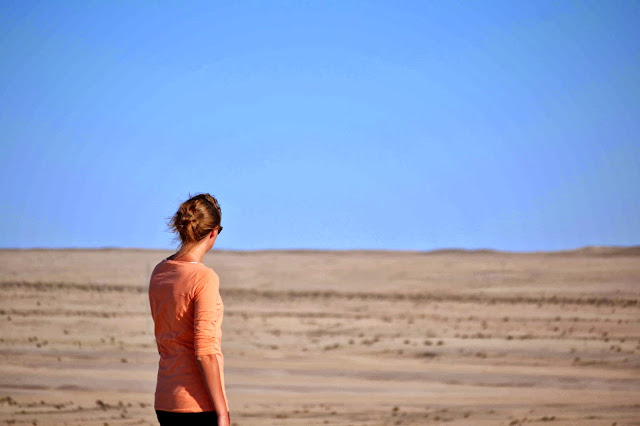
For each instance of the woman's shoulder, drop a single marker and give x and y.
(192, 270)
(207, 273)
(206, 280)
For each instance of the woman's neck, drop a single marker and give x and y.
(189, 254)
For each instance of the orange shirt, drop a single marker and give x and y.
(187, 311)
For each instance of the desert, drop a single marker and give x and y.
(460, 337)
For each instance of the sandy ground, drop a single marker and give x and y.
(342, 338)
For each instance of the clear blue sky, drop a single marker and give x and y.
(322, 124)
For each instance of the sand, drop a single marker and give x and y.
(341, 338)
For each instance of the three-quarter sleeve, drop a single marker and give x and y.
(205, 315)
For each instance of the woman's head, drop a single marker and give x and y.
(196, 218)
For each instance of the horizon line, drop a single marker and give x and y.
(581, 249)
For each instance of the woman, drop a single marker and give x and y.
(187, 312)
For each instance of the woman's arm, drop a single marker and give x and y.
(205, 299)
(211, 374)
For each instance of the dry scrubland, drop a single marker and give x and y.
(310, 337)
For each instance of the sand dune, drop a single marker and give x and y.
(348, 338)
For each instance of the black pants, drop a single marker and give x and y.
(206, 418)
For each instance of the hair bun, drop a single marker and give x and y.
(196, 217)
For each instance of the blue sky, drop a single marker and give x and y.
(322, 124)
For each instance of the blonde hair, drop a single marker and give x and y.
(195, 218)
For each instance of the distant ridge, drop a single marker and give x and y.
(466, 251)
(602, 251)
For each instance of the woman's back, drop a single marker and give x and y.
(187, 311)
